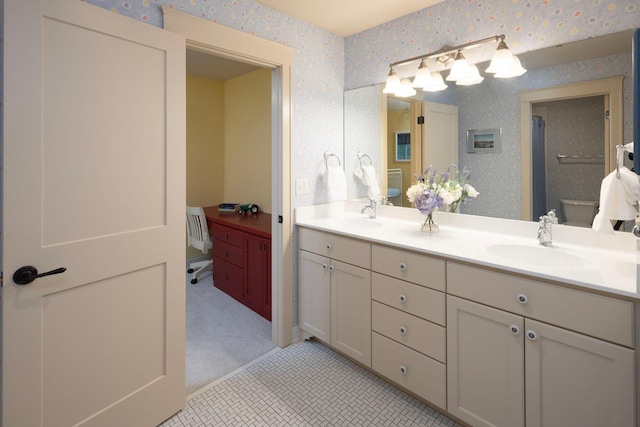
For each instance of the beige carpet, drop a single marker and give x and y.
(222, 334)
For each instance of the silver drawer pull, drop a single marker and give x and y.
(403, 370)
(329, 246)
(403, 298)
(324, 266)
(403, 330)
(515, 330)
(331, 268)
(403, 266)
(522, 298)
(532, 335)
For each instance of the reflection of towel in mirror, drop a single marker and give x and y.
(617, 199)
(336, 182)
(367, 175)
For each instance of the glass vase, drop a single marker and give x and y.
(429, 222)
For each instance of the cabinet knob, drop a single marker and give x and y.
(403, 370)
(403, 330)
(403, 266)
(403, 298)
(331, 268)
(515, 330)
(532, 335)
(522, 298)
(324, 266)
(329, 246)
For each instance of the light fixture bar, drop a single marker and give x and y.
(449, 50)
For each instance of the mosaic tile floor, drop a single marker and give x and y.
(305, 384)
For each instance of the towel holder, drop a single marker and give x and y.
(361, 156)
(327, 156)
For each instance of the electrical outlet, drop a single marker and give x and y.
(302, 186)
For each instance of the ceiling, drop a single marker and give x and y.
(348, 17)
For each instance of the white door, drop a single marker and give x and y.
(439, 136)
(576, 381)
(351, 310)
(485, 364)
(94, 181)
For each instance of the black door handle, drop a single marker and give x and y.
(27, 274)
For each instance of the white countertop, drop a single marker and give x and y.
(579, 256)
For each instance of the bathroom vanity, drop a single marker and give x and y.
(477, 320)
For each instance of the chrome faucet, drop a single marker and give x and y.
(371, 205)
(544, 231)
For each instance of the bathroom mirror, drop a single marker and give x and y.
(495, 104)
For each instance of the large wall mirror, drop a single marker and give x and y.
(582, 126)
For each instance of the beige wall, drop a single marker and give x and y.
(229, 141)
(205, 144)
(398, 121)
(247, 104)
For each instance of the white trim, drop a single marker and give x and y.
(610, 86)
(216, 39)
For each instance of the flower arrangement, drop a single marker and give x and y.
(439, 190)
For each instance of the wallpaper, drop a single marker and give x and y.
(573, 127)
(527, 25)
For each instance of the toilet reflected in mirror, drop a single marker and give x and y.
(578, 213)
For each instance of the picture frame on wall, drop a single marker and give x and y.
(403, 146)
(484, 141)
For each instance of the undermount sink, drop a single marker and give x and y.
(355, 223)
(541, 257)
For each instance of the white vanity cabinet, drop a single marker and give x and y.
(408, 321)
(335, 292)
(526, 353)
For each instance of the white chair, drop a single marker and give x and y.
(198, 237)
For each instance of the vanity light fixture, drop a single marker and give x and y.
(503, 65)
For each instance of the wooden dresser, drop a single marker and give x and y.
(242, 257)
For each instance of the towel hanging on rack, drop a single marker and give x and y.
(619, 194)
(366, 173)
(333, 176)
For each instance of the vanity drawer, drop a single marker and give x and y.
(345, 249)
(226, 234)
(230, 253)
(591, 314)
(425, 337)
(414, 299)
(409, 369)
(410, 266)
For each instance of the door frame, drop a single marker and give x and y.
(613, 127)
(215, 39)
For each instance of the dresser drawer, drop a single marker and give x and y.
(591, 314)
(414, 299)
(409, 369)
(228, 278)
(345, 249)
(229, 253)
(410, 266)
(414, 332)
(228, 235)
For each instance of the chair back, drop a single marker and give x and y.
(197, 232)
